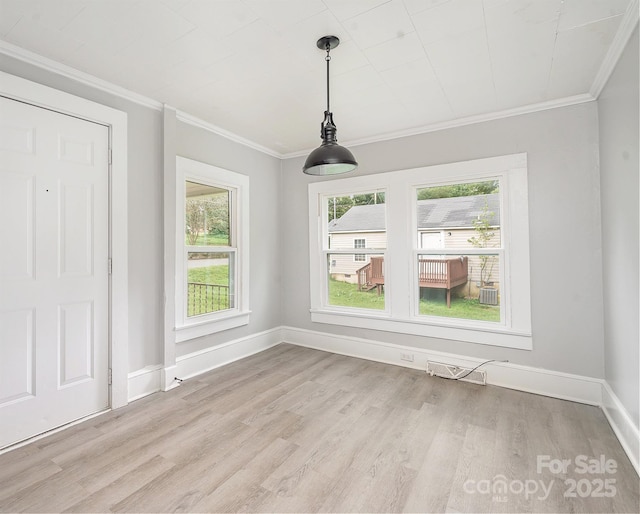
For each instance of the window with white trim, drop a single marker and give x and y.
(355, 220)
(446, 253)
(212, 292)
(359, 243)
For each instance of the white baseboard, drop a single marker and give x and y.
(195, 363)
(556, 384)
(152, 379)
(545, 382)
(622, 425)
(168, 378)
(144, 382)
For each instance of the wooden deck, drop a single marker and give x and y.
(445, 273)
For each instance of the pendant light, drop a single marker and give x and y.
(329, 158)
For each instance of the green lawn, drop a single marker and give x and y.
(210, 239)
(465, 308)
(215, 299)
(347, 295)
(218, 275)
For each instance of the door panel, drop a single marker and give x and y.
(17, 373)
(76, 230)
(75, 342)
(54, 181)
(16, 204)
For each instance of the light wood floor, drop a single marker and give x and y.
(299, 430)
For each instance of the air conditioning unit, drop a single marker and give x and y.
(488, 296)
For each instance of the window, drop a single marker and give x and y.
(212, 250)
(355, 220)
(359, 257)
(442, 251)
(459, 250)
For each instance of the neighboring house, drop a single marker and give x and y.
(442, 223)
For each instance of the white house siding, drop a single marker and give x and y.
(459, 239)
(343, 267)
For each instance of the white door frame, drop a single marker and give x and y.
(17, 88)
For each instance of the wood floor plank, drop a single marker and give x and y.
(231, 494)
(103, 500)
(294, 429)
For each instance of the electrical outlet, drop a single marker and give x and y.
(407, 357)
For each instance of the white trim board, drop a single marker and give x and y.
(556, 384)
(619, 43)
(67, 71)
(622, 36)
(34, 93)
(461, 122)
(152, 379)
(622, 425)
(144, 382)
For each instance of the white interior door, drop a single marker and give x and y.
(54, 292)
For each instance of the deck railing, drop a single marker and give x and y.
(371, 274)
(445, 273)
(205, 298)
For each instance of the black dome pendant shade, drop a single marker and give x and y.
(329, 158)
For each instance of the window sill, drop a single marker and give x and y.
(211, 326)
(489, 335)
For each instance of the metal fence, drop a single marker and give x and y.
(205, 298)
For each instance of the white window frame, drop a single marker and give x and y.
(401, 312)
(356, 256)
(197, 326)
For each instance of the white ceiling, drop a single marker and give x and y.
(252, 68)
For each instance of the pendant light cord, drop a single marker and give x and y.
(328, 58)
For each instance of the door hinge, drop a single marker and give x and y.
(110, 265)
(110, 376)
(110, 156)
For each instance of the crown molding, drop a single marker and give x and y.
(200, 123)
(620, 40)
(59, 68)
(45, 63)
(461, 122)
(64, 70)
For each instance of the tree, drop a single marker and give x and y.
(207, 215)
(482, 239)
(455, 190)
(194, 210)
(338, 205)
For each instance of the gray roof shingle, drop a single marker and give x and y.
(440, 213)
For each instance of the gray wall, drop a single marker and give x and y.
(145, 190)
(264, 171)
(564, 214)
(618, 119)
(566, 249)
(144, 204)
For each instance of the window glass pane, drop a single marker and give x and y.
(210, 282)
(357, 221)
(207, 215)
(455, 216)
(459, 286)
(355, 283)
